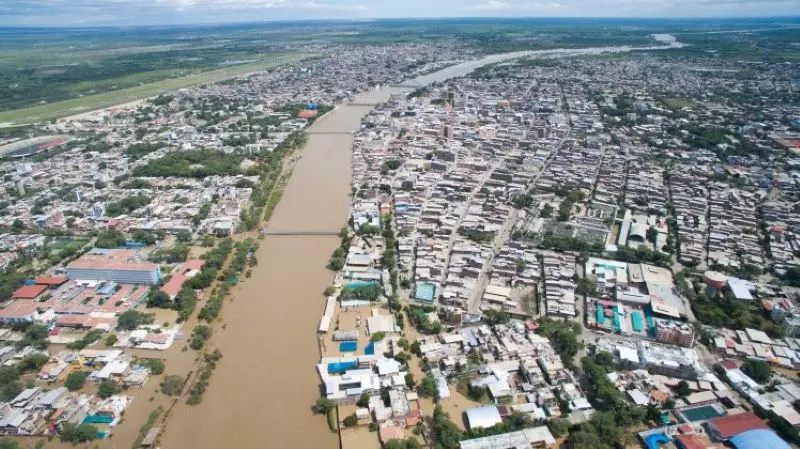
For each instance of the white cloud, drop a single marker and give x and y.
(127, 12)
(491, 5)
(515, 5)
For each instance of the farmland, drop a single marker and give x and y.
(87, 103)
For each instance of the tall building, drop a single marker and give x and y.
(675, 333)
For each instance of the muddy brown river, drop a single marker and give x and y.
(261, 393)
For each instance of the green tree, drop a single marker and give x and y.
(33, 362)
(172, 385)
(682, 389)
(131, 319)
(110, 239)
(651, 234)
(107, 388)
(605, 359)
(547, 211)
(155, 366)
(758, 370)
(410, 443)
(17, 226)
(75, 380)
(494, 317)
(363, 400)
(427, 387)
(409, 378)
(586, 286)
(159, 299)
(111, 340)
(377, 336)
(37, 332)
(81, 433)
(653, 414)
(10, 390)
(447, 434)
(200, 334)
(558, 427)
(323, 406)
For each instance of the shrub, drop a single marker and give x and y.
(350, 421)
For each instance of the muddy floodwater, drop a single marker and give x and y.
(261, 393)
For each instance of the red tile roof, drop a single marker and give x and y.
(307, 114)
(691, 442)
(118, 259)
(29, 291)
(52, 281)
(18, 310)
(732, 425)
(173, 286)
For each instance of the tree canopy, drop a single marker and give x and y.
(758, 370)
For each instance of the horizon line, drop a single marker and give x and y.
(419, 19)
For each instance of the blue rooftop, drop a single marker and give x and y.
(759, 439)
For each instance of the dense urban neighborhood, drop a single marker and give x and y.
(594, 249)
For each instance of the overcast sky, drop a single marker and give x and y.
(141, 12)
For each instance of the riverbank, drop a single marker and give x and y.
(262, 389)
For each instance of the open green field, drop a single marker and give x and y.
(98, 101)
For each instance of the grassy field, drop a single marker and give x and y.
(92, 102)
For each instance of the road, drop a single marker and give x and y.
(502, 237)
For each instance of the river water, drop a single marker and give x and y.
(261, 393)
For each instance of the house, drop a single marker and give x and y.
(29, 292)
(486, 416)
(535, 437)
(725, 427)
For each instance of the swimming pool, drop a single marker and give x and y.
(348, 346)
(702, 413)
(98, 419)
(656, 440)
(340, 367)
